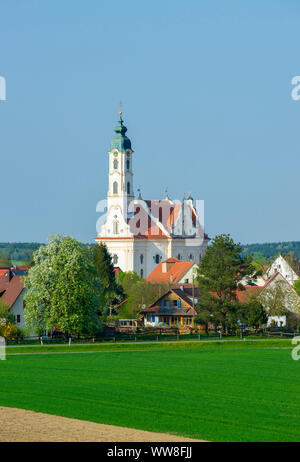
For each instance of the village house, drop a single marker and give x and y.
(290, 296)
(174, 308)
(281, 266)
(12, 292)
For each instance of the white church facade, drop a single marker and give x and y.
(140, 233)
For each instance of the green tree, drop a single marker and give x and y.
(253, 314)
(297, 286)
(62, 288)
(278, 298)
(5, 315)
(220, 272)
(139, 293)
(111, 291)
(5, 260)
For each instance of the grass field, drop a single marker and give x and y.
(241, 392)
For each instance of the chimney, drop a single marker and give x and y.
(166, 266)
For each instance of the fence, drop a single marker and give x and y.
(147, 335)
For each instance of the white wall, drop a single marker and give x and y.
(281, 266)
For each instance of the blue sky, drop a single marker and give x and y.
(206, 91)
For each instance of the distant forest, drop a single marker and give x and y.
(19, 253)
(16, 253)
(268, 250)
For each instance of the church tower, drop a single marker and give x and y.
(120, 175)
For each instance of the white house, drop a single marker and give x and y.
(281, 266)
(291, 298)
(12, 294)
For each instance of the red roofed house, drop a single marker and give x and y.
(174, 308)
(12, 294)
(291, 300)
(139, 234)
(173, 271)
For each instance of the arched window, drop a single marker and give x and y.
(115, 259)
(160, 214)
(191, 256)
(115, 187)
(128, 164)
(116, 164)
(128, 187)
(142, 258)
(142, 273)
(179, 256)
(157, 258)
(116, 227)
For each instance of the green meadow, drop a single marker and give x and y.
(238, 391)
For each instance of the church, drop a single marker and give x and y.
(141, 233)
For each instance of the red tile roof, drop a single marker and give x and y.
(175, 271)
(116, 270)
(13, 290)
(155, 220)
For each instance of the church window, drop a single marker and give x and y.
(191, 256)
(115, 259)
(179, 256)
(115, 187)
(142, 273)
(128, 164)
(157, 258)
(128, 188)
(116, 164)
(142, 258)
(160, 214)
(116, 227)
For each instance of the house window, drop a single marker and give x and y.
(115, 259)
(116, 164)
(18, 318)
(175, 302)
(128, 188)
(115, 187)
(153, 318)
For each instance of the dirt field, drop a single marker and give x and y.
(21, 425)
